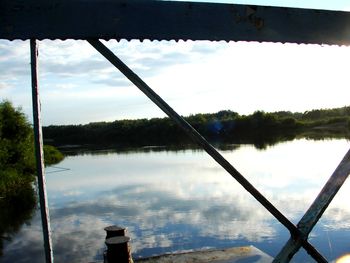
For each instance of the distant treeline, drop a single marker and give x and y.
(223, 126)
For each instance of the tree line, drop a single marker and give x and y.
(223, 126)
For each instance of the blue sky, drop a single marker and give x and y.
(78, 86)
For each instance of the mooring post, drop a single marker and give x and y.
(115, 231)
(118, 248)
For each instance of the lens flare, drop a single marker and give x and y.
(343, 259)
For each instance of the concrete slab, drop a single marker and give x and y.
(248, 254)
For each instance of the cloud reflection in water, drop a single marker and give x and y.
(181, 200)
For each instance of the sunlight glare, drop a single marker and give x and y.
(344, 259)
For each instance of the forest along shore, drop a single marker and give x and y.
(260, 128)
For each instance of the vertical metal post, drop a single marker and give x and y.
(39, 153)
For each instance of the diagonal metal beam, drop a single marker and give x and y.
(314, 213)
(167, 20)
(200, 140)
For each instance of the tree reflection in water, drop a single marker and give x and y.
(16, 210)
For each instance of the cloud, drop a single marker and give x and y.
(68, 244)
(192, 76)
(75, 68)
(113, 81)
(14, 69)
(14, 59)
(336, 219)
(146, 60)
(164, 59)
(228, 218)
(207, 48)
(151, 58)
(2, 85)
(150, 210)
(28, 239)
(65, 86)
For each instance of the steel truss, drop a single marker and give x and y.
(154, 20)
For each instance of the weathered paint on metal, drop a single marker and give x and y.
(200, 140)
(39, 153)
(166, 20)
(314, 213)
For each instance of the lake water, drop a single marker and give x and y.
(182, 200)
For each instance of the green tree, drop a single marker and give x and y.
(17, 162)
(17, 169)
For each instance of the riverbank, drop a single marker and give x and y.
(259, 128)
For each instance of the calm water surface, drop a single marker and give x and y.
(182, 200)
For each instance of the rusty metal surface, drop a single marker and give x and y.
(166, 20)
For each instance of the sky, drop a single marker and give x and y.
(78, 86)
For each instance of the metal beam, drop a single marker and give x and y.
(314, 213)
(201, 141)
(39, 153)
(166, 20)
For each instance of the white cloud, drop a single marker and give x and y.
(2, 85)
(192, 76)
(65, 86)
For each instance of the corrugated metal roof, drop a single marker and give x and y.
(166, 20)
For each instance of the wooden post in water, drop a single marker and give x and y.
(118, 248)
(115, 231)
